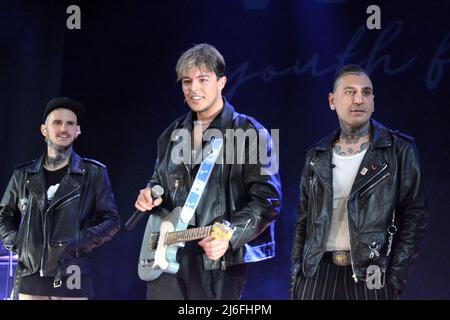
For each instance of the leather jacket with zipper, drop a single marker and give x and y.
(50, 236)
(391, 181)
(238, 193)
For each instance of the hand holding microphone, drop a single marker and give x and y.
(147, 199)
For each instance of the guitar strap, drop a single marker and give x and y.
(198, 187)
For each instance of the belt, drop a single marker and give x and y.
(339, 258)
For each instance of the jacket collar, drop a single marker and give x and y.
(371, 164)
(76, 164)
(380, 137)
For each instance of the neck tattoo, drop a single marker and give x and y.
(352, 140)
(354, 135)
(57, 159)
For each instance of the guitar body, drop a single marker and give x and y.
(156, 257)
(161, 239)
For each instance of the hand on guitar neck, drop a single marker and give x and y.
(161, 243)
(214, 248)
(217, 243)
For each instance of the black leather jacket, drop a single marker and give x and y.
(49, 237)
(238, 193)
(392, 182)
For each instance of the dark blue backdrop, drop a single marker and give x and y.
(281, 58)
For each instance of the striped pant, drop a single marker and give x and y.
(332, 282)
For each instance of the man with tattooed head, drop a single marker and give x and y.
(55, 210)
(362, 212)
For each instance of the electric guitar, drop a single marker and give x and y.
(161, 242)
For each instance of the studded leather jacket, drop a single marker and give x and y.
(390, 182)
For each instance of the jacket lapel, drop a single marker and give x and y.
(36, 182)
(322, 168)
(371, 164)
(71, 182)
(322, 163)
(36, 186)
(68, 187)
(370, 167)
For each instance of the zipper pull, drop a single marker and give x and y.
(223, 266)
(177, 182)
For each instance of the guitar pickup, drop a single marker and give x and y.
(153, 241)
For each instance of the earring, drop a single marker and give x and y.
(332, 107)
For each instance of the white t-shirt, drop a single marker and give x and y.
(344, 173)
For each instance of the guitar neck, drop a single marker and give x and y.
(187, 235)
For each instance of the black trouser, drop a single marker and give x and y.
(332, 282)
(192, 282)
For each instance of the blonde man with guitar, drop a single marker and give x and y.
(217, 210)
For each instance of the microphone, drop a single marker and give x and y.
(156, 191)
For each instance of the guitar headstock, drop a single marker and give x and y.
(222, 230)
